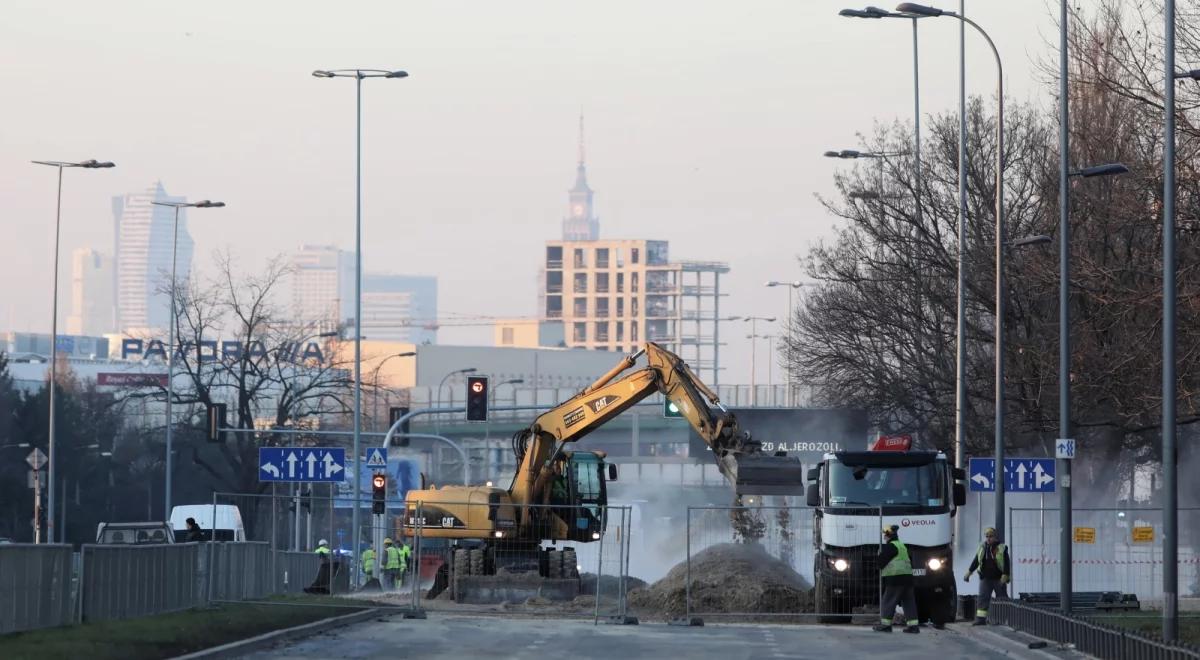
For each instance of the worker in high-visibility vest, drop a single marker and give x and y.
(897, 578)
(405, 560)
(323, 549)
(367, 562)
(995, 572)
(393, 563)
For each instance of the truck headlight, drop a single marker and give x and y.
(595, 536)
(499, 534)
(840, 565)
(934, 564)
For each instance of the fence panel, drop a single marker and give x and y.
(481, 556)
(1113, 549)
(121, 582)
(240, 571)
(294, 571)
(35, 586)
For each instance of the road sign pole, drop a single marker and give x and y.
(37, 506)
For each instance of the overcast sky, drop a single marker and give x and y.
(705, 126)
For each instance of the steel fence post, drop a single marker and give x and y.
(212, 544)
(687, 583)
(600, 563)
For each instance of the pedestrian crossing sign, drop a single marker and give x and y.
(377, 458)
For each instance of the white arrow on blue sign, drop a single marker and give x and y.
(301, 464)
(1021, 475)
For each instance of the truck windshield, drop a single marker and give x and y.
(891, 485)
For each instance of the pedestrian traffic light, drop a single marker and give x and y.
(379, 493)
(216, 422)
(477, 398)
(394, 414)
(670, 410)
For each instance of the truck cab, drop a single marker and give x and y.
(854, 495)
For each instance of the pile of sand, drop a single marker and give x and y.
(727, 578)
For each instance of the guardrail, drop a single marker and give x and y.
(35, 586)
(1093, 638)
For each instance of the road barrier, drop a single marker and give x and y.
(294, 571)
(126, 581)
(1113, 549)
(1090, 637)
(239, 571)
(35, 586)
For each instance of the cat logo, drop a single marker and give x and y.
(603, 402)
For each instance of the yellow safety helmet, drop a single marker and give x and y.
(890, 530)
(989, 530)
(387, 541)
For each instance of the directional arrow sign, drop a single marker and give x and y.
(1021, 475)
(982, 475)
(301, 464)
(1064, 448)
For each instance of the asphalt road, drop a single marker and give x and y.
(455, 637)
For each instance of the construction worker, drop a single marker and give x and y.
(323, 549)
(405, 560)
(392, 563)
(897, 579)
(367, 561)
(995, 572)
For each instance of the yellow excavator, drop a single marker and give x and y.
(559, 495)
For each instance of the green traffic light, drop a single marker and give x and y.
(670, 410)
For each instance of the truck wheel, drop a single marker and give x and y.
(570, 563)
(476, 559)
(461, 568)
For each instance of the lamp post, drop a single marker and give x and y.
(753, 321)
(791, 286)
(60, 164)
(922, 10)
(511, 381)
(456, 372)
(359, 75)
(375, 407)
(203, 204)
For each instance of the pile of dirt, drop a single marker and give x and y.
(610, 585)
(727, 578)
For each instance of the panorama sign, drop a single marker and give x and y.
(212, 350)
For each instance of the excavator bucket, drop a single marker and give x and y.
(764, 474)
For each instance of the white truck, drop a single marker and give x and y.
(854, 494)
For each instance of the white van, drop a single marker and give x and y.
(228, 526)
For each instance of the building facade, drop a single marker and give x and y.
(93, 308)
(322, 285)
(144, 236)
(400, 308)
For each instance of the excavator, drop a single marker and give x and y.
(559, 495)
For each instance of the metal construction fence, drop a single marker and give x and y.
(126, 581)
(35, 586)
(759, 561)
(1113, 549)
(1091, 637)
(237, 571)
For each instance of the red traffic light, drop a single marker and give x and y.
(477, 386)
(379, 481)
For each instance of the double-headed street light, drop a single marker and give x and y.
(359, 75)
(60, 164)
(791, 312)
(753, 321)
(202, 204)
(923, 10)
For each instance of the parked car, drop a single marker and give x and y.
(228, 525)
(133, 533)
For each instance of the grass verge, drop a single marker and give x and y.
(1149, 622)
(169, 635)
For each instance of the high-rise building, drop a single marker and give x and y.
(323, 285)
(143, 236)
(93, 310)
(581, 223)
(401, 308)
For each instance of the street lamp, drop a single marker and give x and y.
(456, 372)
(91, 164)
(1064, 320)
(511, 381)
(753, 321)
(851, 154)
(922, 10)
(791, 286)
(202, 204)
(375, 408)
(359, 75)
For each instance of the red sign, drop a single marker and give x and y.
(893, 443)
(131, 380)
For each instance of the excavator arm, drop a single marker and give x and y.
(739, 458)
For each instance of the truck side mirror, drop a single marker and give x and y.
(960, 495)
(958, 473)
(814, 474)
(612, 472)
(814, 495)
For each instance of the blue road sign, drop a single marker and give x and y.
(1021, 475)
(301, 464)
(377, 458)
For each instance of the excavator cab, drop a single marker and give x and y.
(579, 494)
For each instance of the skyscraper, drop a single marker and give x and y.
(143, 236)
(322, 285)
(93, 309)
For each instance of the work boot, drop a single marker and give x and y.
(883, 627)
(912, 629)
(938, 625)
(980, 621)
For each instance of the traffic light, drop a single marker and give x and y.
(395, 413)
(216, 422)
(379, 493)
(477, 398)
(670, 410)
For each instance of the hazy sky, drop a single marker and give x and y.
(705, 126)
